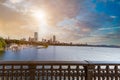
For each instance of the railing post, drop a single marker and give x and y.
(32, 69)
(89, 71)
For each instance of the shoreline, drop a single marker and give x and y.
(2, 49)
(106, 46)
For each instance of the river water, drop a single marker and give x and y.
(62, 53)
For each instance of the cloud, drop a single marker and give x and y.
(21, 6)
(15, 1)
(74, 26)
(113, 17)
(76, 20)
(1, 1)
(84, 26)
(11, 22)
(109, 28)
(59, 9)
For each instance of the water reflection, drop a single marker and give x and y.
(1, 54)
(63, 53)
(54, 52)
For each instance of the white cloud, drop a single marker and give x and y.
(18, 5)
(68, 24)
(109, 28)
(15, 1)
(113, 17)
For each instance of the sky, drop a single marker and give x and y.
(77, 21)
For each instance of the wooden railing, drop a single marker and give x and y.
(59, 70)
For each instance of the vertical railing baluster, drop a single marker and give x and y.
(47, 74)
(52, 74)
(43, 72)
(55, 73)
(7, 74)
(112, 77)
(32, 70)
(99, 72)
(89, 69)
(77, 69)
(64, 74)
(116, 72)
(82, 74)
(103, 76)
(3, 72)
(68, 72)
(38, 75)
(60, 72)
(17, 74)
(72, 74)
(12, 73)
(25, 74)
(95, 72)
(107, 70)
(21, 72)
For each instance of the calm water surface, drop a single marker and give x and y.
(63, 53)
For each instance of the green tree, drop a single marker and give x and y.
(2, 44)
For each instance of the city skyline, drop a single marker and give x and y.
(77, 21)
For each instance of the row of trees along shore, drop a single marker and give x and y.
(2, 44)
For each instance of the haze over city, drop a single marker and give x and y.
(78, 21)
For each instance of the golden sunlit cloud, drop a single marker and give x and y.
(40, 15)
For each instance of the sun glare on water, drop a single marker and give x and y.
(41, 18)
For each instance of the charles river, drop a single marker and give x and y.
(62, 53)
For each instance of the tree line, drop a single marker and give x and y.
(2, 44)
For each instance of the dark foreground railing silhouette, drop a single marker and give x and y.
(59, 70)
